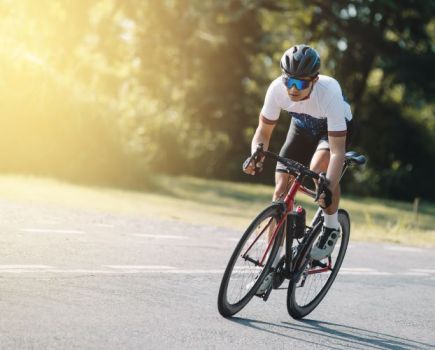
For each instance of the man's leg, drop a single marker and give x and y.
(281, 189)
(330, 230)
(319, 163)
(282, 185)
(299, 147)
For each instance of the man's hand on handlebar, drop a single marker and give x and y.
(254, 164)
(252, 167)
(323, 193)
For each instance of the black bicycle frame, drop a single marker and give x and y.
(294, 266)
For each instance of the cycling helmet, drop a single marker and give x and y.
(300, 61)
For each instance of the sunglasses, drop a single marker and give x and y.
(297, 83)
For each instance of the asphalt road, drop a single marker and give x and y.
(75, 279)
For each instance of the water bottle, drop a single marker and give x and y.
(299, 222)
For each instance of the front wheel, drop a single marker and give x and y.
(309, 289)
(250, 262)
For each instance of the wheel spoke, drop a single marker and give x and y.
(248, 267)
(306, 293)
(315, 278)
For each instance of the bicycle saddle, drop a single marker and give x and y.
(354, 158)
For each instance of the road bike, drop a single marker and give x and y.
(283, 224)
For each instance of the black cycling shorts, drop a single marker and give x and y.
(301, 144)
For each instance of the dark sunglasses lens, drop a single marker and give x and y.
(299, 84)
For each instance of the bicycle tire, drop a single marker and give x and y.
(229, 307)
(294, 306)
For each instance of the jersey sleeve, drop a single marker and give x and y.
(335, 111)
(271, 108)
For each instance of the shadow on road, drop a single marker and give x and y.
(327, 333)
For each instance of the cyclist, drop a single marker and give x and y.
(321, 123)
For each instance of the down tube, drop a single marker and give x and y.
(290, 198)
(289, 201)
(272, 240)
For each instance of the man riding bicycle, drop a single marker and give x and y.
(321, 124)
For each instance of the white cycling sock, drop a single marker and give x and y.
(331, 221)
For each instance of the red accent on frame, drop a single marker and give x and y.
(307, 191)
(256, 239)
(290, 198)
(269, 245)
(314, 271)
(289, 201)
(324, 269)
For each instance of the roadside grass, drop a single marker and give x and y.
(222, 204)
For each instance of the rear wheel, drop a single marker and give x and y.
(249, 263)
(307, 291)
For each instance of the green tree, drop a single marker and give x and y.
(381, 52)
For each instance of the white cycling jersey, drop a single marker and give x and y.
(325, 109)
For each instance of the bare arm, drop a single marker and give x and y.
(263, 133)
(337, 145)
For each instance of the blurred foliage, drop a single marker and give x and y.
(111, 91)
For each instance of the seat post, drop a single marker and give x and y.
(345, 166)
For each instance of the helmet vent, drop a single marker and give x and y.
(296, 65)
(301, 61)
